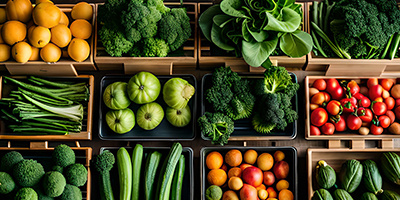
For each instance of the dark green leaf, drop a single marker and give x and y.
(221, 20)
(220, 39)
(232, 8)
(296, 44)
(290, 21)
(206, 20)
(255, 53)
(259, 36)
(245, 31)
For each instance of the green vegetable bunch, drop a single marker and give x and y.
(142, 28)
(217, 126)
(253, 29)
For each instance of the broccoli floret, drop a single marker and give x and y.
(217, 126)
(28, 173)
(76, 174)
(242, 102)
(26, 194)
(103, 163)
(7, 184)
(220, 96)
(109, 14)
(276, 79)
(53, 184)
(71, 192)
(159, 5)
(174, 28)
(114, 41)
(57, 168)
(9, 160)
(291, 90)
(154, 47)
(63, 155)
(224, 75)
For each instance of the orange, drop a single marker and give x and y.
(60, 35)
(285, 194)
(4, 52)
(217, 177)
(272, 193)
(3, 16)
(13, 32)
(46, 14)
(50, 53)
(235, 183)
(279, 155)
(233, 158)
(78, 49)
(262, 194)
(21, 52)
(282, 184)
(265, 161)
(20, 10)
(81, 28)
(235, 172)
(39, 36)
(35, 54)
(214, 160)
(64, 19)
(82, 10)
(250, 156)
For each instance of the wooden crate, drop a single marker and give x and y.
(43, 153)
(156, 65)
(83, 135)
(64, 67)
(338, 66)
(347, 135)
(207, 61)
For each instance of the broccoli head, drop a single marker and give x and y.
(53, 184)
(7, 184)
(26, 193)
(276, 79)
(103, 163)
(159, 5)
(9, 160)
(217, 126)
(63, 155)
(225, 75)
(109, 14)
(114, 41)
(76, 174)
(174, 28)
(242, 102)
(28, 173)
(71, 192)
(220, 96)
(155, 47)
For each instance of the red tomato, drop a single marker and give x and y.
(358, 96)
(384, 121)
(390, 103)
(319, 117)
(349, 104)
(353, 87)
(387, 84)
(375, 91)
(397, 112)
(364, 102)
(314, 130)
(397, 102)
(328, 128)
(379, 99)
(379, 108)
(353, 122)
(320, 84)
(334, 89)
(372, 82)
(376, 130)
(365, 114)
(334, 107)
(391, 115)
(319, 99)
(340, 124)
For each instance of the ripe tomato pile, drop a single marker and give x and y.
(367, 106)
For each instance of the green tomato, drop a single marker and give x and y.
(115, 96)
(120, 121)
(150, 115)
(144, 88)
(179, 118)
(177, 92)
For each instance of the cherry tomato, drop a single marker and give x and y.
(390, 103)
(397, 112)
(384, 121)
(319, 117)
(376, 130)
(358, 96)
(339, 122)
(375, 91)
(353, 122)
(334, 107)
(379, 108)
(334, 89)
(349, 104)
(319, 99)
(328, 128)
(353, 87)
(365, 114)
(320, 84)
(364, 102)
(314, 130)
(391, 115)
(372, 82)
(387, 84)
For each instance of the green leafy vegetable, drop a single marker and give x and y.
(217, 126)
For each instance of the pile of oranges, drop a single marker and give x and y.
(43, 31)
(249, 176)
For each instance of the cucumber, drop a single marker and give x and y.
(152, 163)
(137, 156)
(167, 172)
(176, 191)
(125, 174)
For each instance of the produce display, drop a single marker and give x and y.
(38, 106)
(355, 29)
(359, 105)
(44, 32)
(142, 28)
(30, 179)
(253, 30)
(357, 179)
(267, 101)
(248, 175)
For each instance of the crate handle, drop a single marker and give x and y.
(42, 69)
(362, 70)
(39, 145)
(157, 67)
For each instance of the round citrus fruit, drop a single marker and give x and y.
(286, 194)
(3, 16)
(233, 158)
(265, 161)
(235, 183)
(20, 10)
(35, 54)
(13, 32)
(21, 52)
(46, 14)
(250, 156)
(78, 49)
(216, 177)
(50, 53)
(279, 155)
(214, 160)
(282, 184)
(82, 10)
(4, 52)
(81, 28)
(272, 193)
(64, 19)
(61, 35)
(234, 172)
(39, 36)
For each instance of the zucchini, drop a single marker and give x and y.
(167, 172)
(125, 174)
(372, 179)
(351, 175)
(176, 191)
(340, 194)
(325, 175)
(137, 156)
(389, 195)
(369, 196)
(152, 163)
(391, 167)
(322, 194)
